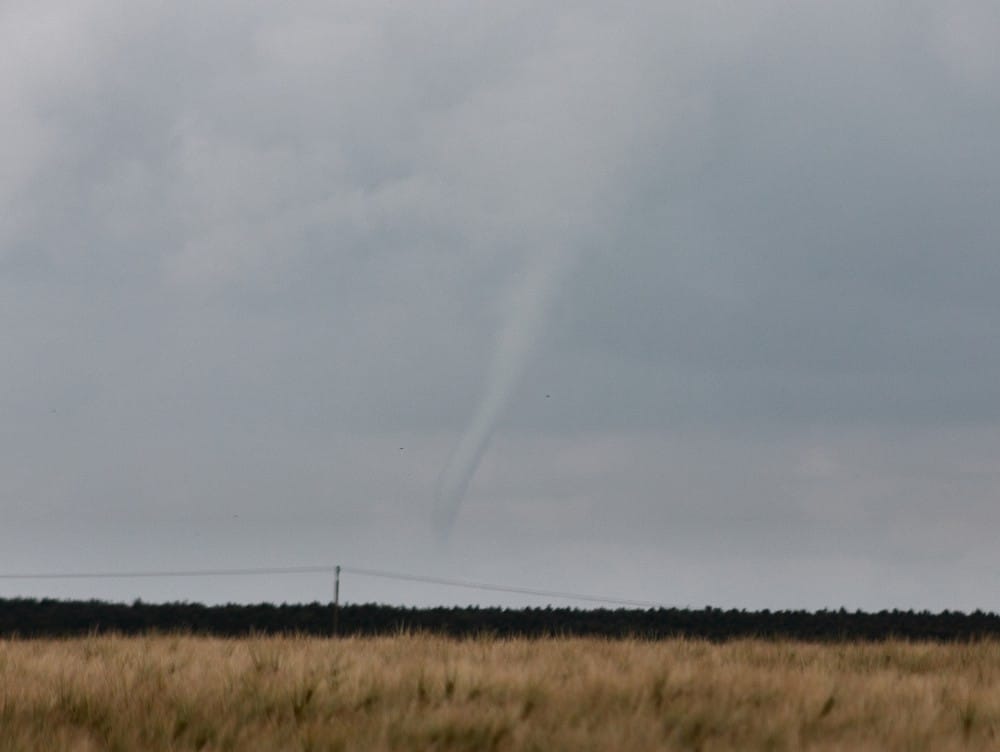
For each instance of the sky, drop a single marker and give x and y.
(709, 288)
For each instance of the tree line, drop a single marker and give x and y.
(27, 617)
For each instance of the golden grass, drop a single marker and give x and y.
(419, 692)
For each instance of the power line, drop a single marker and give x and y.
(165, 573)
(331, 569)
(503, 588)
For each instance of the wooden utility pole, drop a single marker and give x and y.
(336, 600)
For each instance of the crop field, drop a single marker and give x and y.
(421, 692)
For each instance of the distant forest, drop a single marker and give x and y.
(24, 617)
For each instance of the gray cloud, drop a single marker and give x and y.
(248, 251)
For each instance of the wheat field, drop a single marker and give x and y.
(413, 692)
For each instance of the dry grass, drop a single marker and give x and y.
(414, 692)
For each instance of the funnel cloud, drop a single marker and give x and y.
(515, 344)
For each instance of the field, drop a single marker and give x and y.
(420, 692)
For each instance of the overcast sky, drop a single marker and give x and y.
(256, 260)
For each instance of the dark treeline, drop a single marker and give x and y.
(25, 617)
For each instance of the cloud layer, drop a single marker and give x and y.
(247, 252)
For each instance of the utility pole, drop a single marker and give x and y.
(336, 600)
